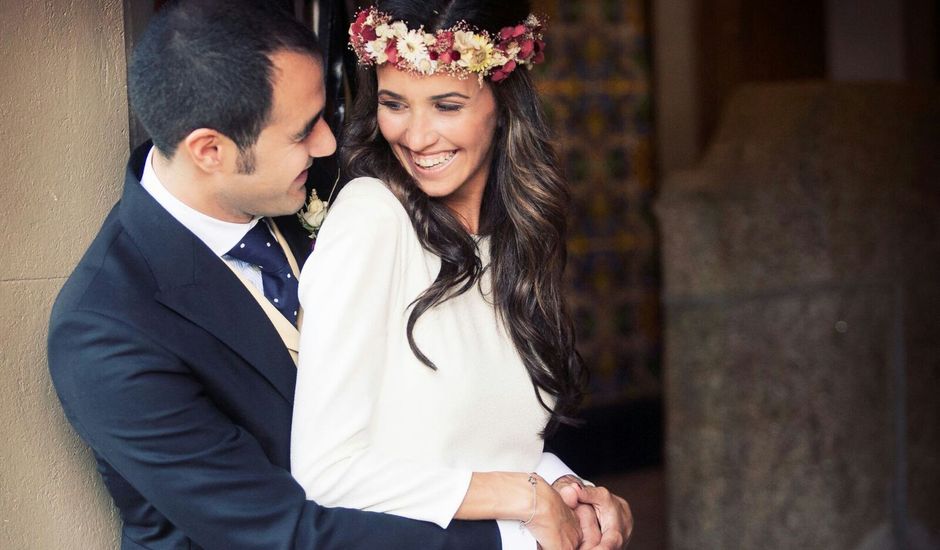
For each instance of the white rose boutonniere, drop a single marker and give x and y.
(313, 214)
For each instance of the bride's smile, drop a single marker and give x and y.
(433, 162)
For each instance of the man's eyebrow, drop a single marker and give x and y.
(309, 127)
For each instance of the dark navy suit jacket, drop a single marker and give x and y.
(169, 369)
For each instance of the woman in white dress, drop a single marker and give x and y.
(436, 347)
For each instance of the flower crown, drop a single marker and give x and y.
(458, 51)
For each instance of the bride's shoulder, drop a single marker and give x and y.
(366, 189)
(368, 198)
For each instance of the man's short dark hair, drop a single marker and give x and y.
(206, 64)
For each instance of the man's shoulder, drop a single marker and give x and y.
(108, 274)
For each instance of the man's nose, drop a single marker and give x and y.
(321, 142)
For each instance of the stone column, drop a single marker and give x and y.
(801, 266)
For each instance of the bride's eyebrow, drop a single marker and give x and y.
(448, 95)
(438, 97)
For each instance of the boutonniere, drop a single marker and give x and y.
(312, 215)
(314, 212)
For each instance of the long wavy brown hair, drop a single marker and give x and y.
(524, 210)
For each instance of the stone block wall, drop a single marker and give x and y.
(801, 265)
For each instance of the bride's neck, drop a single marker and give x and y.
(467, 213)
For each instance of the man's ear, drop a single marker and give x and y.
(207, 149)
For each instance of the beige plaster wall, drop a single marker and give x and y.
(63, 143)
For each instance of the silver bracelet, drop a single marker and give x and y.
(533, 480)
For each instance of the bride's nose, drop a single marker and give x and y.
(419, 132)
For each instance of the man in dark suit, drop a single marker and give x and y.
(172, 351)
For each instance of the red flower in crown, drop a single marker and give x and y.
(526, 48)
(444, 40)
(355, 30)
(503, 71)
(392, 52)
(361, 17)
(508, 33)
(356, 27)
(539, 52)
(448, 57)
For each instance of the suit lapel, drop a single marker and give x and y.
(198, 285)
(289, 334)
(296, 237)
(219, 303)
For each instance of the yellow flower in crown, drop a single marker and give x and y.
(476, 50)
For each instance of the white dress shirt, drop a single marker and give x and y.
(220, 236)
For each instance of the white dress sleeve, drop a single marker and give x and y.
(551, 468)
(345, 290)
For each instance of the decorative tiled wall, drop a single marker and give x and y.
(595, 86)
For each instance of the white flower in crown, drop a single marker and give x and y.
(377, 48)
(426, 66)
(498, 58)
(412, 48)
(399, 28)
(385, 31)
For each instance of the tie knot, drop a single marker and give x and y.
(258, 247)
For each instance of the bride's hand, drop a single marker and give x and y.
(554, 524)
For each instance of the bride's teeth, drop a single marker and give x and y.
(433, 161)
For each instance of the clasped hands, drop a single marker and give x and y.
(572, 516)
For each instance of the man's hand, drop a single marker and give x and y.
(587, 517)
(554, 525)
(606, 520)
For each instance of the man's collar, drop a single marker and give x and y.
(220, 236)
(194, 283)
